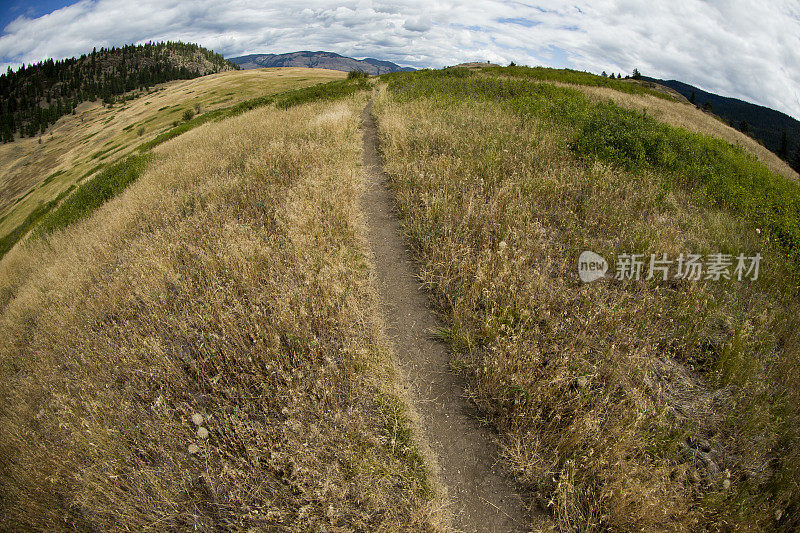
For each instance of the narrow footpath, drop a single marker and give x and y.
(481, 499)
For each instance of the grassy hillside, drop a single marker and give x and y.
(683, 116)
(33, 174)
(635, 95)
(624, 405)
(34, 96)
(203, 352)
(762, 123)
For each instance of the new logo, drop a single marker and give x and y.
(591, 266)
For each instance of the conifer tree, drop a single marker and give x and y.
(744, 127)
(783, 149)
(797, 158)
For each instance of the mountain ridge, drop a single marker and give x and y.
(318, 59)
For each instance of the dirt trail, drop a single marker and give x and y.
(481, 498)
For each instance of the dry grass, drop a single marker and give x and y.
(229, 282)
(638, 406)
(77, 144)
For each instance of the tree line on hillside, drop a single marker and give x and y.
(784, 151)
(35, 96)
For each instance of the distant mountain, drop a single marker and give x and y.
(762, 123)
(35, 96)
(327, 60)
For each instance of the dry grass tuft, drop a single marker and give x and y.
(203, 353)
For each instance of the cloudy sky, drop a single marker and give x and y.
(741, 48)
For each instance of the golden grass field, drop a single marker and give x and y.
(96, 134)
(621, 406)
(229, 282)
(206, 351)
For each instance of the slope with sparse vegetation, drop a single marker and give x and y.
(623, 405)
(94, 146)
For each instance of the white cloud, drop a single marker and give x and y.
(743, 48)
(417, 24)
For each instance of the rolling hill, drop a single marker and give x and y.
(640, 402)
(35, 96)
(326, 60)
(36, 173)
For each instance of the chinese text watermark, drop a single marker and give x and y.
(691, 267)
